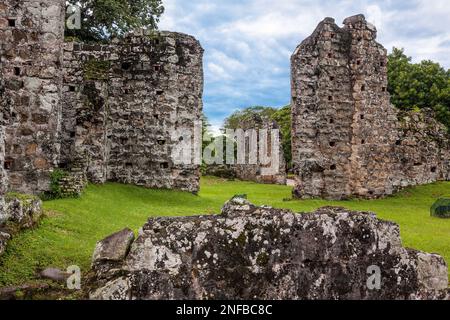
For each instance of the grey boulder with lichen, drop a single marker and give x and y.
(251, 252)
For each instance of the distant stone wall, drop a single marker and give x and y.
(422, 151)
(255, 172)
(123, 103)
(347, 137)
(31, 37)
(251, 252)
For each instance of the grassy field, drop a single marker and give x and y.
(68, 234)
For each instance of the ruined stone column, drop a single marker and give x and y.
(31, 37)
(344, 128)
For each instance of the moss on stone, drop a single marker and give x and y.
(20, 196)
(262, 259)
(242, 239)
(96, 70)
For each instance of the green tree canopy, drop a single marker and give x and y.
(253, 114)
(103, 19)
(419, 85)
(283, 118)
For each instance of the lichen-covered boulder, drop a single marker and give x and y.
(251, 252)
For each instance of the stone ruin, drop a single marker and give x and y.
(348, 140)
(105, 112)
(251, 252)
(255, 172)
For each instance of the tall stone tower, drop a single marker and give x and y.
(31, 39)
(343, 123)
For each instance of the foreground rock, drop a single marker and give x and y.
(251, 252)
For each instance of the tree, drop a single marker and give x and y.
(283, 118)
(251, 114)
(103, 19)
(418, 86)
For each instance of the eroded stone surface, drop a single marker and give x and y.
(251, 252)
(348, 140)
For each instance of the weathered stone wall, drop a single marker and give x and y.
(251, 252)
(347, 139)
(255, 172)
(31, 37)
(123, 103)
(422, 152)
(107, 112)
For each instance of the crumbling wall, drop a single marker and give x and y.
(347, 137)
(254, 171)
(125, 101)
(422, 152)
(251, 252)
(31, 37)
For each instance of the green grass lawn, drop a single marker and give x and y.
(68, 234)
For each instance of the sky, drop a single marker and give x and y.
(248, 43)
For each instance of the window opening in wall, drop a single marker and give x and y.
(16, 71)
(164, 165)
(72, 88)
(398, 142)
(12, 22)
(330, 98)
(362, 117)
(157, 67)
(126, 65)
(383, 89)
(363, 141)
(129, 165)
(363, 88)
(159, 92)
(333, 167)
(433, 169)
(331, 78)
(8, 164)
(331, 121)
(332, 144)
